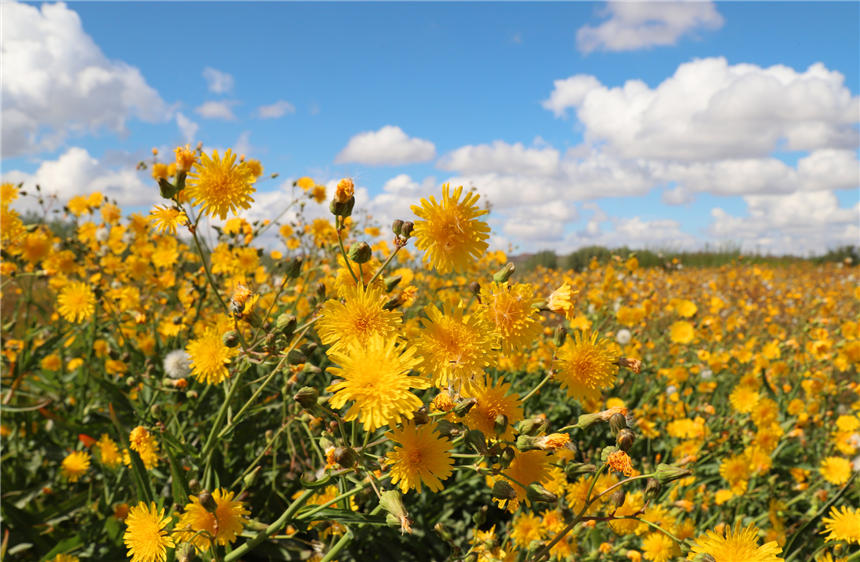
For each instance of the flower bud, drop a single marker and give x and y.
(530, 426)
(503, 491)
(392, 502)
(666, 473)
(617, 497)
(500, 424)
(463, 407)
(480, 516)
(230, 339)
(507, 456)
(345, 456)
(447, 429)
(587, 420)
(502, 275)
(574, 468)
(397, 227)
(286, 324)
(360, 253)
(391, 282)
(293, 267)
(207, 501)
(406, 230)
(295, 357)
(475, 438)
(251, 477)
(307, 396)
(559, 336)
(475, 288)
(526, 442)
(652, 488)
(537, 493)
(606, 452)
(617, 422)
(420, 416)
(625, 439)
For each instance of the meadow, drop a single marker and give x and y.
(186, 384)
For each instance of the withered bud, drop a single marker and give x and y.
(537, 493)
(420, 417)
(447, 429)
(293, 267)
(617, 497)
(475, 289)
(394, 302)
(463, 407)
(502, 275)
(286, 324)
(294, 357)
(344, 456)
(507, 456)
(617, 422)
(207, 501)
(307, 396)
(397, 227)
(503, 491)
(392, 502)
(194, 485)
(625, 439)
(360, 252)
(230, 339)
(406, 229)
(634, 365)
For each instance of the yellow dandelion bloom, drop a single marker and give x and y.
(527, 527)
(736, 545)
(526, 469)
(422, 457)
(11, 227)
(108, 451)
(659, 548)
(220, 186)
(455, 346)
(494, 400)
(8, 193)
(743, 399)
(842, 524)
(166, 219)
(375, 378)
(587, 365)
(145, 444)
(145, 537)
(836, 470)
(450, 233)
(76, 301)
(562, 300)
(209, 357)
(358, 318)
(681, 332)
(75, 465)
(509, 308)
(318, 193)
(305, 183)
(201, 527)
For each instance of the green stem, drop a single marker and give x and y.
(384, 265)
(343, 251)
(343, 496)
(271, 529)
(338, 546)
(538, 387)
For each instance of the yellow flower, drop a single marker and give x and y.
(620, 462)
(145, 536)
(318, 193)
(64, 558)
(681, 332)
(493, 401)
(166, 218)
(526, 469)
(345, 190)
(509, 308)
(160, 171)
(526, 528)
(421, 458)
(562, 300)
(455, 346)
(185, 158)
(144, 443)
(842, 524)
(8, 193)
(78, 205)
(200, 526)
(736, 545)
(587, 365)
(743, 399)
(836, 470)
(659, 548)
(450, 234)
(358, 318)
(209, 357)
(109, 451)
(75, 465)
(220, 186)
(305, 183)
(376, 380)
(76, 302)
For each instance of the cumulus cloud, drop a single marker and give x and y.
(389, 146)
(639, 25)
(275, 110)
(501, 157)
(217, 110)
(187, 127)
(56, 82)
(218, 82)
(76, 172)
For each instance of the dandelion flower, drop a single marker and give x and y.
(681, 332)
(220, 186)
(743, 399)
(450, 233)
(75, 465)
(209, 357)
(843, 524)
(494, 400)
(736, 545)
(76, 302)
(144, 443)
(659, 548)
(620, 462)
(8, 193)
(562, 300)
(200, 526)
(422, 457)
(509, 308)
(526, 469)
(166, 219)
(587, 365)
(146, 537)
(527, 527)
(358, 318)
(836, 470)
(375, 378)
(108, 451)
(455, 346)
(177, 364)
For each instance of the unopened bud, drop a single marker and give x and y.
(360, 253)
(420, 417)
(502, 275)
(617, 497)
(480, 516)
(207, 501)
(194, 485)
(526, 442)
(406, 229)
(574, 468)
(286, 324)
(293, 267)
(251, 477)
(344, 456)
(394, 302)
(625, 439)
(230, 339)
(397, 227)
(507, 456)
(392, 502)
(307, 396)
(666, 473)
(463, 407)
(447, 429)
(476, 439)
(343, 209)
(617, 422)
(500, 424)
(391, 282)
(652, 488)
(537, 493)
(503, 491)
(559, 336)
(295, 357)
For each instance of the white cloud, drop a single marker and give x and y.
(710, 110)
(275, 110)
(502, 158)
(218, 82)
(187, 127)
(56, 82)
(243, 143)
(76, 172)
(638, 25)
(387, 146)
(677, 196)
(217, 110)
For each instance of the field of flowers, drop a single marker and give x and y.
(189, 385)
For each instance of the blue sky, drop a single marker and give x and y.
(743, 127)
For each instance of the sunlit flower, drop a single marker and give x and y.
(146, 537)
(75, 465)
(842, 524)
(108, 451)
(358, 318)
(587, 365)
(76, 302)
(681, 332)
(422, 457)
(200, 526)
(220, 186)
(836, 470)
(494, 400)
(209, 357)
(509, 308)
(144, 443)
(450, 233)
(736, 545)
(167, 218)
(659, 548)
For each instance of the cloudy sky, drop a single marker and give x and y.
(656, 125)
